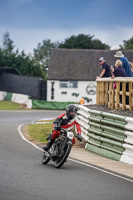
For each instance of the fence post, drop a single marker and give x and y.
(130, 97)
(103, 94)
(98, 93)
(123, 96)
(113, 96)
(117, 95)
(106, 93)
(110, 94)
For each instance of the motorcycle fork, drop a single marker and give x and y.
(63, 143)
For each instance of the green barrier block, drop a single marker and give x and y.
(114, 133)
(113, 116)
(114, 137)
(103, 152)
(111, 142)
(96, 131)
(112, 123)
(95, 137)
(117, 120)
(112, 149)
(95, 125)
(8, 97)
(96, 143)
(95, 112)
(94, 118)
(95, 115)
(46, 105)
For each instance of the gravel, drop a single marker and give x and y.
(125, 113)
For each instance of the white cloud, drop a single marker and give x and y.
(28, 39)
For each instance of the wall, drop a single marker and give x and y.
(35, 87)
(87, 89)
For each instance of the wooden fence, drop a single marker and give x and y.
(115, 98)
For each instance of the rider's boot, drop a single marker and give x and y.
(48, 145)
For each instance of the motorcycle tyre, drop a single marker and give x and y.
(45, 159)
(63, 160)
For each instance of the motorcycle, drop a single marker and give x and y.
(60, 149)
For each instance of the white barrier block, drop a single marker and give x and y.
(20, 98)
(84, 111)
(129, 138)
(84, 135)
(126, 159)
(129, 125)
(2, 95)
(83, 124)
(128, 150)
(83, 119)
(29, 104)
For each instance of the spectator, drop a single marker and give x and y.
(131, 65)
(105, 69)
(82, 101)
(125, 63)
(112, 68)
(119, 71)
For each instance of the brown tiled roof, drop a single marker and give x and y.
(74, 64)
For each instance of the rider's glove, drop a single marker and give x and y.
(57, 127)
(79, 137)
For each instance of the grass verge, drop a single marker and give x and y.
(8, 105)
(39, 132)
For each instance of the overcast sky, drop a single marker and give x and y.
(32, 21)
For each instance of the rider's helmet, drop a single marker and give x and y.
(71, 111)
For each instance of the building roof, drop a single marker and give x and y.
(80, 64)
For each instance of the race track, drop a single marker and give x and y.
(23, 177)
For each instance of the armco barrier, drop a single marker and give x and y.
(107, 134)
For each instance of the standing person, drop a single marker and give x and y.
(125, 63)
(131, 65)
(82, 101)
(105, 69)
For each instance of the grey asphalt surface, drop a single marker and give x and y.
(23, 177)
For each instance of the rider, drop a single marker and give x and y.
(66, 121)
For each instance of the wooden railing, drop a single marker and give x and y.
(115, 98)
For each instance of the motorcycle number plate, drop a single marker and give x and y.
(70, 135)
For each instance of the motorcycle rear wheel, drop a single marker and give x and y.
(45, 159)
(61, 160)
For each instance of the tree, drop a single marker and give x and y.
(7, 43)
(128, 44)
(10, 58)
(83, 42)
(42, 52)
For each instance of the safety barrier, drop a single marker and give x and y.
(107, 134)
(14, 97)
(35, 104)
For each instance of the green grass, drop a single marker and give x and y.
(8, 105)
(40, 132)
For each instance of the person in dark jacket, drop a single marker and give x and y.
(119, 71)
(125, 63)
(106, 72)
(66, 121)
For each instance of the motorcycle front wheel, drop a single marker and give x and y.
(45, 159)
(62, 159)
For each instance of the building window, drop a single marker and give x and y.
(68, 84)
